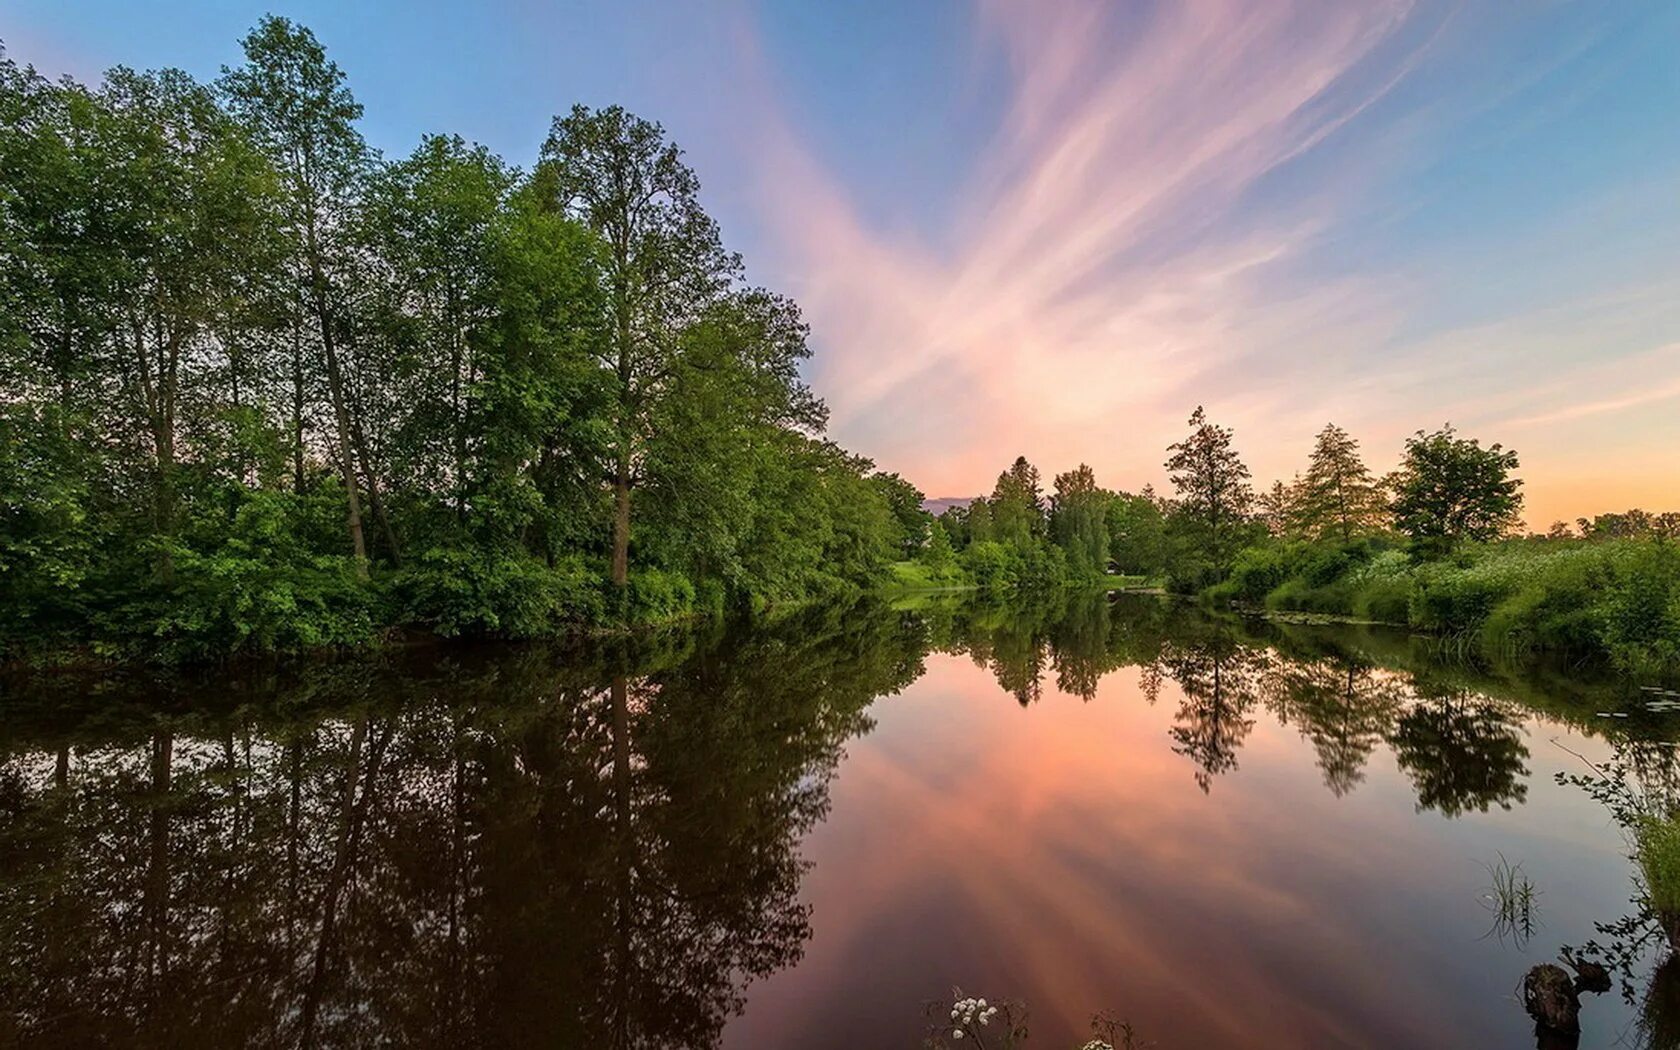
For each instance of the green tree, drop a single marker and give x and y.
(905, 501)
(664, 268)
(938, 554)
(1137, 533)
(1450, 489)
(1338, 497)
(1214, 495)
(301, 113)
(1017, 505)
(1280, 508)
(1079, 521)
(980, 525)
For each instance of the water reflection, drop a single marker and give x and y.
(602, 846)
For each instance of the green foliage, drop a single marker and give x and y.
(252, 584)
(506, 593)
(1338, 498)
(1137, 534)
(1617, 600)
(1450, 490)
(1657, 844)
(265, 391)
(1215, 499)
(1079, 522)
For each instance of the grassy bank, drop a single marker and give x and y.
(1613, 599)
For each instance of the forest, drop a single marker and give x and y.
(263, 389)
(266, 390)
(1435, 545)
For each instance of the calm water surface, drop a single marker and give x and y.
(1229, 834)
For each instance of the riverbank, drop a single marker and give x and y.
(1611, 600)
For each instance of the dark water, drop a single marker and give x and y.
(1228, 834)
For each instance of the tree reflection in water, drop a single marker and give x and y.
(523, 851)
(530, 845)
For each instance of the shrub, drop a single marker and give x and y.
(656, 596)
(259, 589)
(1658, 844)
(1641, 614)
(509, 594)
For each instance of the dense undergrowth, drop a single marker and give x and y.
(1614, 599)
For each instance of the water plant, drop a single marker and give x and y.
(1513, 900)
(972, 1022)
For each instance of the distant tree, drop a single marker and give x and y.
(1214, 495)
(937, 554)
(1280, 508)
(1017, 504)
(1560, 530)
(905, 502)
(1079, 521)
(1338, 497)
(1630, 524)
(1450, 489)
(1137, 533)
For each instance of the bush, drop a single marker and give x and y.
(1641, 614)
(656, 596)
(259, 589)
(1658, 842)
(994, 566)
(1258, 571)
(509, 594)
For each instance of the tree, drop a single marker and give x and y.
(1017, 505)
(1214, 495)
(1137, 533)
(981, 528)
(1079, 521)
(1450, 489)
(191, 199)
(1280, 507)
(664, 268)
(905, 501)
(1338, 497)
(299, 110)
(938, 554)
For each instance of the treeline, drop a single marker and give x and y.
(262, 388)
(1433, 544)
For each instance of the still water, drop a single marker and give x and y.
(798, 835)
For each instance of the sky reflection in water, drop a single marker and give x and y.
(1229, 835)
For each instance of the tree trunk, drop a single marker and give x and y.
(346, 456)
(297, 412)
(374, 500)
(621, 530)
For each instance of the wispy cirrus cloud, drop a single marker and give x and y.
(1172, 208)
(1103, 268)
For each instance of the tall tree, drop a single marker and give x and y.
(1450, 489)
(191, 199)
(905, 500)
(1137, 535)
(1280, 507)
(1338, 497)
(297, 106)
(664, 267)
(1079, 521)
(1017, 505)
(1214, 495)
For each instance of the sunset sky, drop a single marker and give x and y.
(1053, 228)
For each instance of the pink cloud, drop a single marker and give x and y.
(1096, 272)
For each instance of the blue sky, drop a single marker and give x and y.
(1053, 228)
